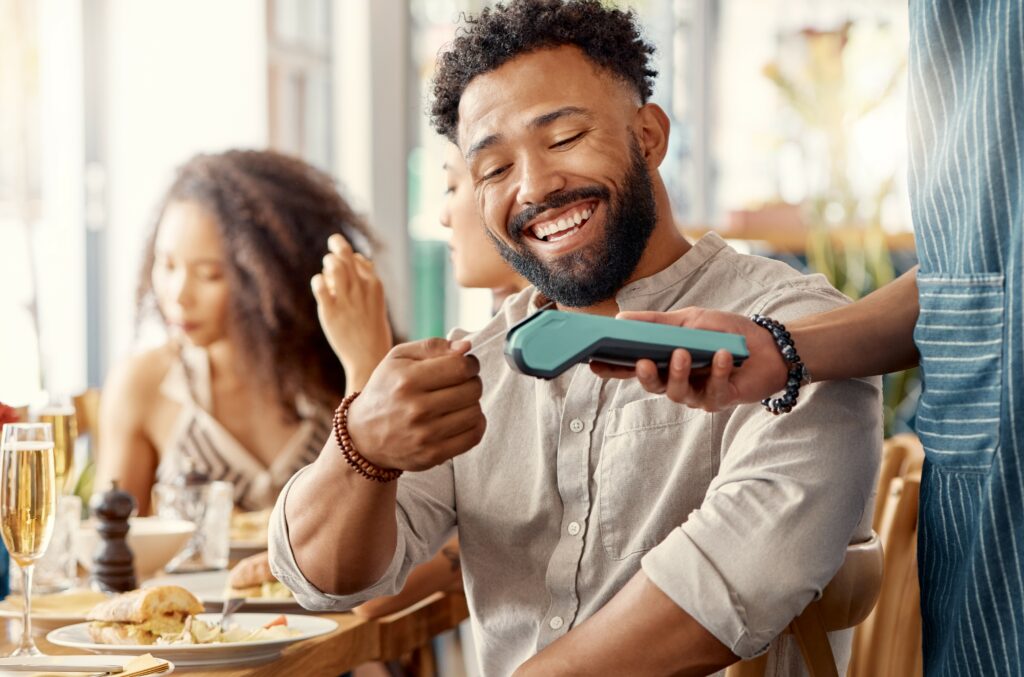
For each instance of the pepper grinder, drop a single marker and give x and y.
(113, 565)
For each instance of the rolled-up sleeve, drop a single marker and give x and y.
(792, 492)
(425, 517)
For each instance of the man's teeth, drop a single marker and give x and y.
(563, 224)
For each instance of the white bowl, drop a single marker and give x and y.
(153, 541)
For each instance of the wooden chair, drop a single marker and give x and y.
(406, 636)
(87, 413)
(846, 601)
(87, 416)
(889, 641)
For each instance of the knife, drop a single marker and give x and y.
(67, 667)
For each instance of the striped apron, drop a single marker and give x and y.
(966, 132)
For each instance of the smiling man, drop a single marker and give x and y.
(604, 530)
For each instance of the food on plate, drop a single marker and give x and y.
(250, 527)
(252, 578)
(166, 615)
(142, 616)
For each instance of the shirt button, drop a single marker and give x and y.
(556, 622)
(576, 425)
(574, 528)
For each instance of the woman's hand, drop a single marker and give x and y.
(352, 310)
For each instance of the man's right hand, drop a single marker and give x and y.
(420, 407)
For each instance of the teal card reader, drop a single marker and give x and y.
(550, 341)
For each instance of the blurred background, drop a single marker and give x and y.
(787, 138)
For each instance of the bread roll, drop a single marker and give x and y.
(251, 572)
(139, 606)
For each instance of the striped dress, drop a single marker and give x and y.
(966, 131)
(200, 441)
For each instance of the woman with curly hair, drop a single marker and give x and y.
(243, 389)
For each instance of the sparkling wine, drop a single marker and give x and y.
(65, 432)
(28, 499)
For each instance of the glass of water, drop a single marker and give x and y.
(209, 507)
(57, 569)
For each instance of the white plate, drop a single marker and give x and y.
(240, 549)
(192, 655)
(53, 610)
(83, 660)
(209, 587)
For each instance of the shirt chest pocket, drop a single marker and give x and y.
(655, 466)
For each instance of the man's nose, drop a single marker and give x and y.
(538, 180)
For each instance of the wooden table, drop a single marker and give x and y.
(354, 642)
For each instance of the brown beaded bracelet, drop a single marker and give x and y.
(348, 449)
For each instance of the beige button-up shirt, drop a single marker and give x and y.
(740, 517)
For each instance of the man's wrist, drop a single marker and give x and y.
(362, 465)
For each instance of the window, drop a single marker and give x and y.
(299, 79)
(20, 197)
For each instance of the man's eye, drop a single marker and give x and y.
(566, 142)
(495, 173)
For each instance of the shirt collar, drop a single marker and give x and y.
(648, 293)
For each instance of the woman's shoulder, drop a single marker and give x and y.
(137, 378)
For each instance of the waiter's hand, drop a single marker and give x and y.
(762, 375)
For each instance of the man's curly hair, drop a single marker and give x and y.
(609, 37)
(274, 214)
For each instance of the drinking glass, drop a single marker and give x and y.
(208, 506)
(60, 413)
(28, 502)
(57, 569)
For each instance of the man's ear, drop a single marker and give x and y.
(652, 127)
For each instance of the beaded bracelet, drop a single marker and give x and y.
(348, 449)
(797, 374)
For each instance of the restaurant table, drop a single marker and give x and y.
(354, 642)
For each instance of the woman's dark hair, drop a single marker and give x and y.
(609, 37)
(274, 215)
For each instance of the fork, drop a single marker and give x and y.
(230, 606)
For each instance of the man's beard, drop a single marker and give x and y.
(594, 273)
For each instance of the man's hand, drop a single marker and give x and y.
(251, 571)
(420, 407)
(763, 374)
(352, 310)
(640, 631)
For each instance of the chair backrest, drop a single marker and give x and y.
(902, 455)
(87, 416)
(87, 412)
(889, 641)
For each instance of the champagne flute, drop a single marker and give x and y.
(65, 431)
(28, 503)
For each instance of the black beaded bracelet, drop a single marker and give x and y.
(797, 374)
